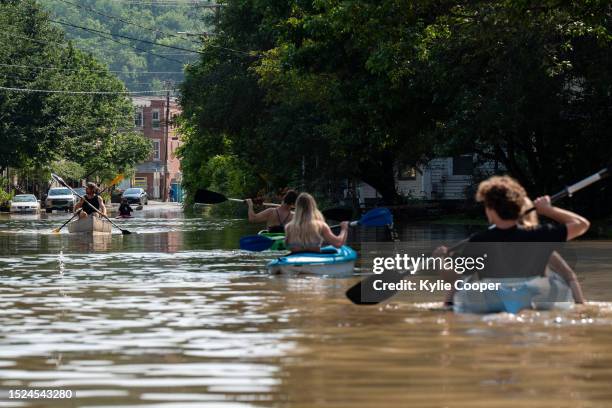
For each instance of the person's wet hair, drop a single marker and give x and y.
(504, 195)
(92, 186)
(290, 197)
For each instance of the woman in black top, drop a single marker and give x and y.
(275, 218)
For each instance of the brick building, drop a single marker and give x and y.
(160, 176)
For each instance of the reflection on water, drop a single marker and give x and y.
(175, 316)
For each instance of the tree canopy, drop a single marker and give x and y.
(335, 90)
(61, 104)
(141, 65)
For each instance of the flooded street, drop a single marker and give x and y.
(174, 315)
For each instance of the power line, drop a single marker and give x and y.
(92, 70)
(54, 91)
(110, 38)
(101, 35)
(123, 20)
(22, 37)
(193, 4)
(125, 36)
(147, 41)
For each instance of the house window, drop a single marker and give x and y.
(155, 119)
(407, 173)
(156, 145)
(463, 165)
(138, 118)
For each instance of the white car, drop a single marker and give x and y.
(22, 203)
(59, 198)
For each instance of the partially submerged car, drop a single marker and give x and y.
(25, 203)
(59, 198)
(136, 195)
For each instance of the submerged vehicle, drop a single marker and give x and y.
(59, 198)
(135, 195)
(24, 203)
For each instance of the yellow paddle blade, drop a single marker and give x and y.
(55, 231)
(117, 179)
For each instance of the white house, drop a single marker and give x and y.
(444, 178)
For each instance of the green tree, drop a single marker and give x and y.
(93, 130)
(147, 21)
(333, 90)
(527, 85)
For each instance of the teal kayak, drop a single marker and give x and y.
(277, 237)
(330, 261)
(515, 294)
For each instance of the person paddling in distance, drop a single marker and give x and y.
(92, 197)
(275, 218)
(125, 210)
(307, 231)
(504, 200)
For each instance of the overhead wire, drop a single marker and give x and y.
(130, 22)
(59, 91)
(109, 36)
(91, 70)
(147, 41)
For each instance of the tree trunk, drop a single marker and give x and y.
(380, 174)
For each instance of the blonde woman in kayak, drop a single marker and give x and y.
(556, 262)
(307, 231)
(275, 218)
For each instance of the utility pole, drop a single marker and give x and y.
(166, 174)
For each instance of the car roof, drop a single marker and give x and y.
(25, 195)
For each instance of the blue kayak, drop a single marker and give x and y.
(515, 294)
(330, 261)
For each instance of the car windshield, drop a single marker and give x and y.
(132, 191)
(24, 198)
(80, 191)
(59, 191)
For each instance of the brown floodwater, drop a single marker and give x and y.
(175, 315)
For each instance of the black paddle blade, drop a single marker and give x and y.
(125, 232)
(338, 214)
(203, 196)
(364, 292)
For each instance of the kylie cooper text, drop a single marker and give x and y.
(406, 263)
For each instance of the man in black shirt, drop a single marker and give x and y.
(513, 250)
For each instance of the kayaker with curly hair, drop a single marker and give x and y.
(275, 218)
(307, 231)
(504, 202)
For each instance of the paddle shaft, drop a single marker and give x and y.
(113, 183)
(91, 205)
(66, 223)
(351, 224)
(238, 200)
